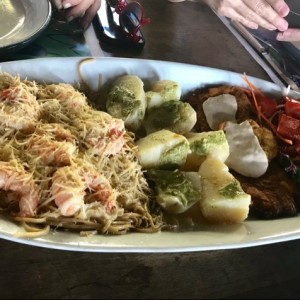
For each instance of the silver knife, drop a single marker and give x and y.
(253, 41)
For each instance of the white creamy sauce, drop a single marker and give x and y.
(246, 155)
(219, 109)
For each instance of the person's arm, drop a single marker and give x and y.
(83, 9)
(268, 14)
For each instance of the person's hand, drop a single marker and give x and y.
(83, 9)
(268, 14)
(290, 35)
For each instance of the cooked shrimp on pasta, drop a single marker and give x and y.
(18, 107)
(14, 178)
(64, 164)
(71, 183)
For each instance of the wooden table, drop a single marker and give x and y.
(190, 32)
(186, 32)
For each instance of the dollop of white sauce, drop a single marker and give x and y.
(246, 155)
(219, 109)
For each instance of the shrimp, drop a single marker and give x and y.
(13, 178)
(114, 140)
(52, 144)
(70, 185)
(7, 80)
(69, 98)
(18, 108)
(56, 131)
(100, 133)
(51, 152)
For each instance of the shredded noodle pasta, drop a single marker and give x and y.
(66, 165)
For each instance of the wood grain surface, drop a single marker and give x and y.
(190, 32)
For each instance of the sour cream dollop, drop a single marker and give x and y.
(246, 155)
(219, 109)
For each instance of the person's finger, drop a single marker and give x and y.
(70, 3)
(290, 35)
(265, 14)
(280, 7)
(246, 16)
(233, 15)
(89, 14)
(78, 10)
(249, 16)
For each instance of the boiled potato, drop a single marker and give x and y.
(126, 100)
(173, 115)
(162, 149)
(175, 191)
(161, 91)
(204, 144)
(223, 199)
